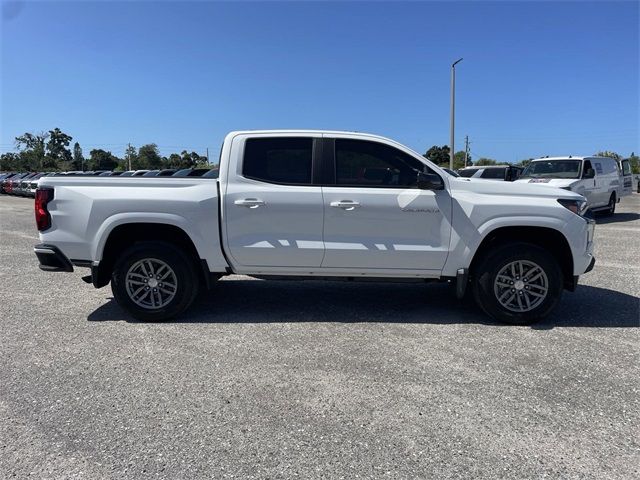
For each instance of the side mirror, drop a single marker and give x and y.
(590, 173)
(429, 181)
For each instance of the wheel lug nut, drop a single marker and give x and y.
(155, 290)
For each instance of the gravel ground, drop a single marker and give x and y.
(310, 379)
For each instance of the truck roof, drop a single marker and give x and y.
(311, 132)
(570, 157)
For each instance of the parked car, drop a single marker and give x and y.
(453, 173)
(281, 209)
(507, 173)
(598, 179)
(13, 182)
(33, 185)
(128, 173)
(190, 172)
(167, 172)
(151, 173)
(213, 173)
(22, 189)
(4, 181)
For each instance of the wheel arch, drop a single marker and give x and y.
(548, 238)
(126, 234)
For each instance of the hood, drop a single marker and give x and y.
(518, 188)
(550, 182)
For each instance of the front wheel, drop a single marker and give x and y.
(154, 281)
(518, 283)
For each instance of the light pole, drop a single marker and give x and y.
(453, 111)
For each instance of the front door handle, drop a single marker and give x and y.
(345, 204)
(249, 202)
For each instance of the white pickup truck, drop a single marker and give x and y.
(317, 204)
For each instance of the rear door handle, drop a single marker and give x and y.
(249, 202)
(345, 204)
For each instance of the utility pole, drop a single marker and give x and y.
(453, 111)
(208, 163)
(129, 154)
(466, 149)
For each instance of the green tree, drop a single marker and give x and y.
(524, 163)
(78, 158)
(609, 153)
(31, 147)
(149, 157)
(130, 158)
(57, 150)
(634, 161)
(484, 162)
(438, 155)
(10, 161)
(102, 160)
(174, 161)
(458, 160)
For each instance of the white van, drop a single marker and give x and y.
(598, 179)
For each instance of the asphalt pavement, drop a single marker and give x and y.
(281, 379)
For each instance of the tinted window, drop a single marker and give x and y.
(278, 160)
(626, 167)
(362, 163)
(467, 172)
(493, 173)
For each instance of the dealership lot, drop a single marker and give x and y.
(337, 380)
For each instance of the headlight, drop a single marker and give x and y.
(579, 207)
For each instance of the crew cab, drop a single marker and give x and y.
(316, 204)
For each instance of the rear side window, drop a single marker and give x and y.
(493, 173)
(278, 160)
(372, 164)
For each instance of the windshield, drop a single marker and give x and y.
(553, 169)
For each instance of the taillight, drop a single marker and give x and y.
(43, 197)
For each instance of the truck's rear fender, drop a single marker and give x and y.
(120, 231)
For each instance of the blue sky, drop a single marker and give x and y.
(538, 78)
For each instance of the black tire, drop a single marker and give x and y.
(612, 205)
(184, 274)
(484, 276)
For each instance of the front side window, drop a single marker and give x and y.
(278, 160)
(626, 167)
(371, 164)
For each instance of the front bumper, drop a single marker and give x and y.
(52, 259)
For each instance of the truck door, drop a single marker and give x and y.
(375, 216)
(273, 213)
(588, 184)
(626, 179)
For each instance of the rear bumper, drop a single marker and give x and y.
(52, 259)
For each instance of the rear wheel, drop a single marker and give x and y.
(154, 281)
(611, 207)
(518, 283)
